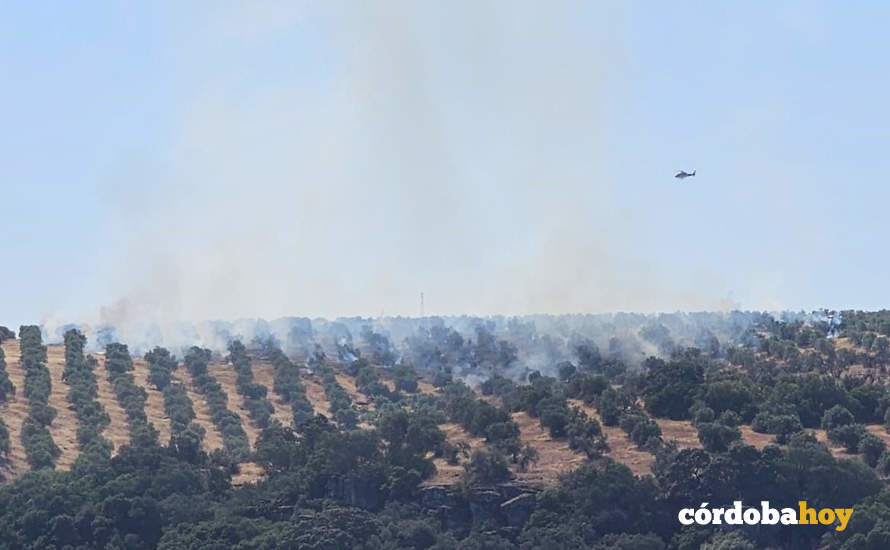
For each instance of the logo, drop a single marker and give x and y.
(766, 515)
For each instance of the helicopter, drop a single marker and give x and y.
(682, 174)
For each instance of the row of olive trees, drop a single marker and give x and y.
(186, 435)
(6, 389)
(132, 397)
(342, 410)
(227, 421)
(258, 406)
(83, 390)
(40, 448)
(287, 385)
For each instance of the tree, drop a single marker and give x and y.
(837, 416)
(487, 467)
(871, 447)
(669, 387)
(716, 437)
(848, 435)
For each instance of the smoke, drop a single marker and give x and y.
(334, 160)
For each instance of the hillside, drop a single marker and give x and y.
(452, 434)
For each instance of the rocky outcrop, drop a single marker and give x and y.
(518, 509)
(509, 505)
(354, 491)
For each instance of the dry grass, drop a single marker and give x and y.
(758, 440)
(554, 456)
(425, 387)
(621, 449)
(64, 427)
(448, 474)
(315, 393)
(880, 431)
(226, 375)
(154, 404)
(118, 430)
(212, 438)
(264, 373)
(836, 450)
(248, 472)
(681, 431)
(15, 411)
(360, 401)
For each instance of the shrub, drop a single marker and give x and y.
(871, 447)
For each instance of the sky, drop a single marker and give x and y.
(202, 160)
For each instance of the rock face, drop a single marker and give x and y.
(518, 509)
(508, 505)
(359, 492)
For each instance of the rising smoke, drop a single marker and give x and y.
(388, 148)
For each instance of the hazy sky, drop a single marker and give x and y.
(195, 160)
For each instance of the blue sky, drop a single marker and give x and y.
(221, 160)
